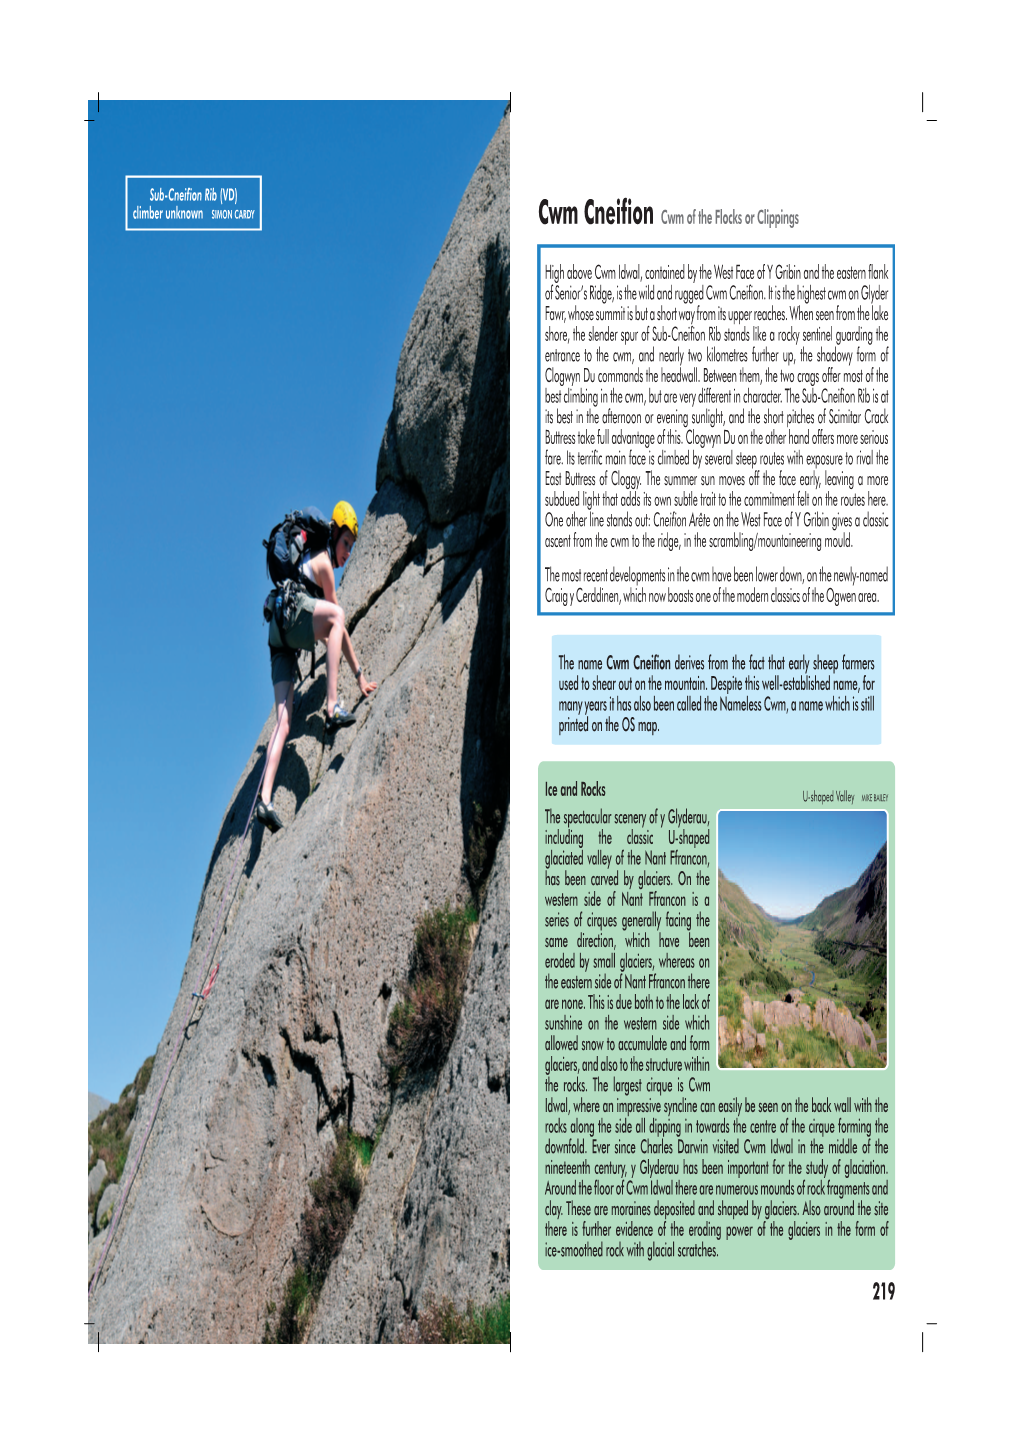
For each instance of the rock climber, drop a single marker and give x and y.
(319, 619)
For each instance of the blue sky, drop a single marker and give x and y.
(788, 861)
(232, 377)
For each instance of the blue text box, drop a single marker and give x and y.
(717, 690)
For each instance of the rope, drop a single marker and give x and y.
(210, 978)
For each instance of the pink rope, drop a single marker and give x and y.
(210, 978)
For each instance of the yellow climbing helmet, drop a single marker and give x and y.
(344, 515)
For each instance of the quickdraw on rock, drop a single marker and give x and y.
(209, 984)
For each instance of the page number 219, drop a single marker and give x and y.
(884, 1292)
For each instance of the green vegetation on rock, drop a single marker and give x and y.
(441, 1322)
(324, 1225)
(801, 1047)
(773, 980)
(108, 1132)
(730, 1003)
(422, 1024)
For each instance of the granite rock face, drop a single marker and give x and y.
(761, 1018)
(107, 1205)
(449, 430)
(97, 1177)
(318, 920)
(838, 1023)
(444, 1191)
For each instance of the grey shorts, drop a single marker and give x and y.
(299, 637)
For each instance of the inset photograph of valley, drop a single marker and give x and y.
(803, 937)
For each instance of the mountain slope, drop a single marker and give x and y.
(97, 1105)
(742, 923)
(854, 921)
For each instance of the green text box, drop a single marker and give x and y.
(636, 1118)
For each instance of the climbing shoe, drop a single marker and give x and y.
(267, 816)
(338, 718)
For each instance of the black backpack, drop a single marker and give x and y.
(298, 532)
